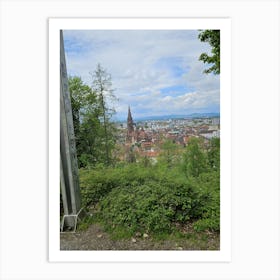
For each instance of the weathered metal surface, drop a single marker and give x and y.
(69, 180)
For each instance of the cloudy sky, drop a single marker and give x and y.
(155, 72)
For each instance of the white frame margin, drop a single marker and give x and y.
(55, 25)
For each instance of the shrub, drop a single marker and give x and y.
(152, 207)
(97, 183)
(152, 199)
(210, 219)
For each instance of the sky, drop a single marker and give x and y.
(155, 72)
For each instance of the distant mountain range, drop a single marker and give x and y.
(168, 117)
(189, 116)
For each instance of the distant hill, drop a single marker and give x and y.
(189, 116)
(168, 117)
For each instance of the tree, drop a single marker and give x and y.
(195, 160)
(169, 153)
(91, 137)
(86, 121)
(77, 92)
(213, 38)
(94, 132)
(102, 85)
(214, 154)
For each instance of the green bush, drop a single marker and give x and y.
(210, 220)
(152, 207)
(153, 199)
(97, 183)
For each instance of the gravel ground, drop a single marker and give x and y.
(94, 238)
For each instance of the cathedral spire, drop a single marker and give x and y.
(130, 127)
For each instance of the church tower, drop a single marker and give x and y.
(130, 128)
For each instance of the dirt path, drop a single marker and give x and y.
(94, 238)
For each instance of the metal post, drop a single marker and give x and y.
(69, 180)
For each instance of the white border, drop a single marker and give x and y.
(224, 254)
(255, 139)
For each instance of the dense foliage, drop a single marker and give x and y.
(94, 132)
(157, 197)
(213, 38)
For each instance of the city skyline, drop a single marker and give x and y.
(155, 72)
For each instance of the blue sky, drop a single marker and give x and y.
(155, 72)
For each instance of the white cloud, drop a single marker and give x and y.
(141, 64)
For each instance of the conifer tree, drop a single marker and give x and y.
(102, 86)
